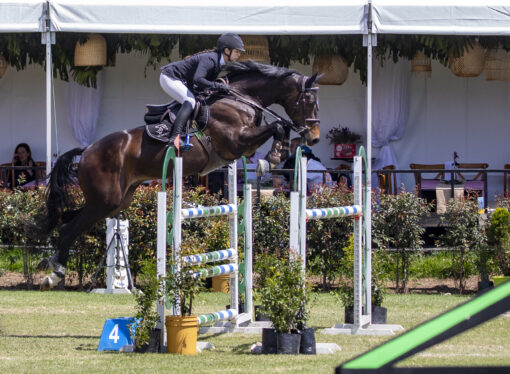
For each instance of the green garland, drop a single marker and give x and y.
(21, 49)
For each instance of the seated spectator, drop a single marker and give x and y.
(279, 180)
(22, 157)
(313, 179)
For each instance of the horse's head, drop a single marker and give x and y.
(302, 106)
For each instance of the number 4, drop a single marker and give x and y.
(114, 334)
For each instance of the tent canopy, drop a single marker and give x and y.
(21, 16)
(209, 16)
(442, 17)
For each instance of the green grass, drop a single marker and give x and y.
(58, 332)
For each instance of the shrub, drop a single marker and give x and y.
(462, 232)
(328, 237)
(498, 235)
(282, 290)
(396, 224)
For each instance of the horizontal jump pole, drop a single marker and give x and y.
(224, 254)
(217, 316)
(209, 211)
(216, 270)
(342, 211)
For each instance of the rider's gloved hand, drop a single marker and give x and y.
(222, 88)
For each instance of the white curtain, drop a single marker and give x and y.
(390, 109)
(83, 104)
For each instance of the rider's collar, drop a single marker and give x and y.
(222, 60)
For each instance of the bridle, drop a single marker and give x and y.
(286, 123)
(302, 100)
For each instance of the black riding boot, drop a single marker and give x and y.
(180, 121)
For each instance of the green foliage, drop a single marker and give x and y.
(396, 224)
(463, 232)
(327, 237)
(345, 291)
(183, 286)
(271, 224)
(440, 264)
(147, 295)
(498, 235)
(21, 49)
(281, 287)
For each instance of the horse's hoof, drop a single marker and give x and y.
(49, 282)
(43, 265)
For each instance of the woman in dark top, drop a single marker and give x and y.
(22, 157)
(182, 79)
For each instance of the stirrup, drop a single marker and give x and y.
(186, 146)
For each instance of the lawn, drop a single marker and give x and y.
(58, 332)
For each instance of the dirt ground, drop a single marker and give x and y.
(17, 281)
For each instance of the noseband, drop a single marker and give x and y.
(302, 100)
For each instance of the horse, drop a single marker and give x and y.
(110, 170)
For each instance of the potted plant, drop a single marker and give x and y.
(282, 291)
(344, 141)
(181, 289)
(345, 290)
(145, 334)
(498, 235)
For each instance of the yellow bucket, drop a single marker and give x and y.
(181, 334)
(221, 283)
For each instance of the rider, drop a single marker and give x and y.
(181, 79)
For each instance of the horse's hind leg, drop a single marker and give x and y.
(81, 222)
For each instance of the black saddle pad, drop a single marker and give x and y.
(159, 119)
(159, 131)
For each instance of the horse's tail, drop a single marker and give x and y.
(57, 194)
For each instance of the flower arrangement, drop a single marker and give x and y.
(342, 135)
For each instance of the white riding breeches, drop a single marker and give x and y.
(176, 90)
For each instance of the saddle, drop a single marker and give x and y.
(159, 119)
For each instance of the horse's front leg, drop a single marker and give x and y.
(259, 135)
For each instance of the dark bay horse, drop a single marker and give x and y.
(112, 168)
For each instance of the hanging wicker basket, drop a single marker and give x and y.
(421, 63)
(334, 67)
(257, 48)
(3, 65)
(470, 64)
(92, 52)
(497, 65)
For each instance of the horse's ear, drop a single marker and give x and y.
(310, 81)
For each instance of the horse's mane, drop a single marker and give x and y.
(235, 69)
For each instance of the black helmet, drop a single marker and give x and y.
(230, 41)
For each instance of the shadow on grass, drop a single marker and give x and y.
(51, 336)
(243, 349)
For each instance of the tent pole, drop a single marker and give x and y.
(371, 40)
(48, 38)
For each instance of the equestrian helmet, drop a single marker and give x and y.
(230, 41)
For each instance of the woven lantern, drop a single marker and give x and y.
(334, 67)
(92, 52)
(257, 48)
(470, 64)
(497, 65)
(3, 65)
(421, 63)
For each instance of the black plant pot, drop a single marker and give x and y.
(241, 307)
(269, 341)
(260, 314)
(288, 344)
(379, 315)
(153, 345)
(307, 345)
